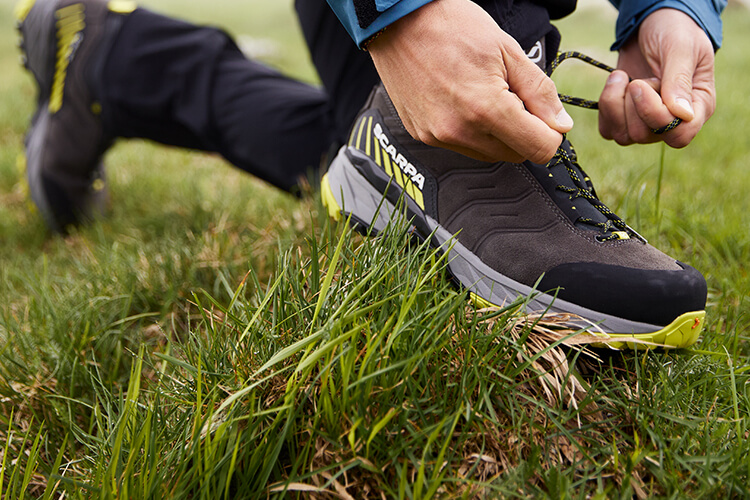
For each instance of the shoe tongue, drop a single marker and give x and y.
(537, 54)
(562, 172)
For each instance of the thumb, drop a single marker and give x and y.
(677, 84)
(538, 92)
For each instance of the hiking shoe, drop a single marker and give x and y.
(63, 43)
(512, 229)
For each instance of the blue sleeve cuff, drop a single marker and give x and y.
(707, 13)
(388, 12)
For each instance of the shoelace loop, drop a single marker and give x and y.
(588, 104)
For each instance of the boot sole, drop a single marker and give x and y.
(345, 191)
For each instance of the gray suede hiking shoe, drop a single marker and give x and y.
(513, 229)
(63, 43)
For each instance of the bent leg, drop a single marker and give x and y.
(190, 86)
(347, 73)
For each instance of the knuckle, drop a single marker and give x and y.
(605, 127)
(683, 80)
(542, 152)
(622, 138)
(417, 132)
(443, 132)
(678, 141)
(545, 86)
(641, 136)
(425, 137)
(542, 88)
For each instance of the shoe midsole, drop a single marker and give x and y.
(356, 195)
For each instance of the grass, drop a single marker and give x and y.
(214, 338)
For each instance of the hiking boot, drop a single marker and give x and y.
(512, 229)
(63, 43)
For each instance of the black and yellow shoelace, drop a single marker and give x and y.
(588, 104)
(582, 188)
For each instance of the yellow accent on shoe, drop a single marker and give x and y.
(623, 235)
(121, 6)
(70, 23)
(326, 195)
(359, 135)
(419, 198)
(682, 332)
(368, 136)
(22, 9)
(387, 164)
(376, 148)
(479, 302)
(397, 175)
(409, 188)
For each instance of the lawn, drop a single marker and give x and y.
(215, 338)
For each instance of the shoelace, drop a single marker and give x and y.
(585, 103)
(582, 188)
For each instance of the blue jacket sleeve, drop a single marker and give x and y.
(364, 18)
(704, 12)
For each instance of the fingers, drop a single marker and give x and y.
(501, 129)
(482, 97)
(671, 47)
(687, 86)
(612, 121)
(528, 116)
(512, 116)
(525, 132)
(681, 51)
(631, 111)
(538, 92)
(645, 111)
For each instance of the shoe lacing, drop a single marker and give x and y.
(583, 188)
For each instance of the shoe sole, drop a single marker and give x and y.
(345, 191)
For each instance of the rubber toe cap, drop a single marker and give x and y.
(649, 296)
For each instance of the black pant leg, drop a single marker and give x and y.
(190, 86)
(347, 72)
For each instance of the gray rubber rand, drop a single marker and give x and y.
(355, 195)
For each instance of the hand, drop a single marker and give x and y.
(672, 62)
(459, 82)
